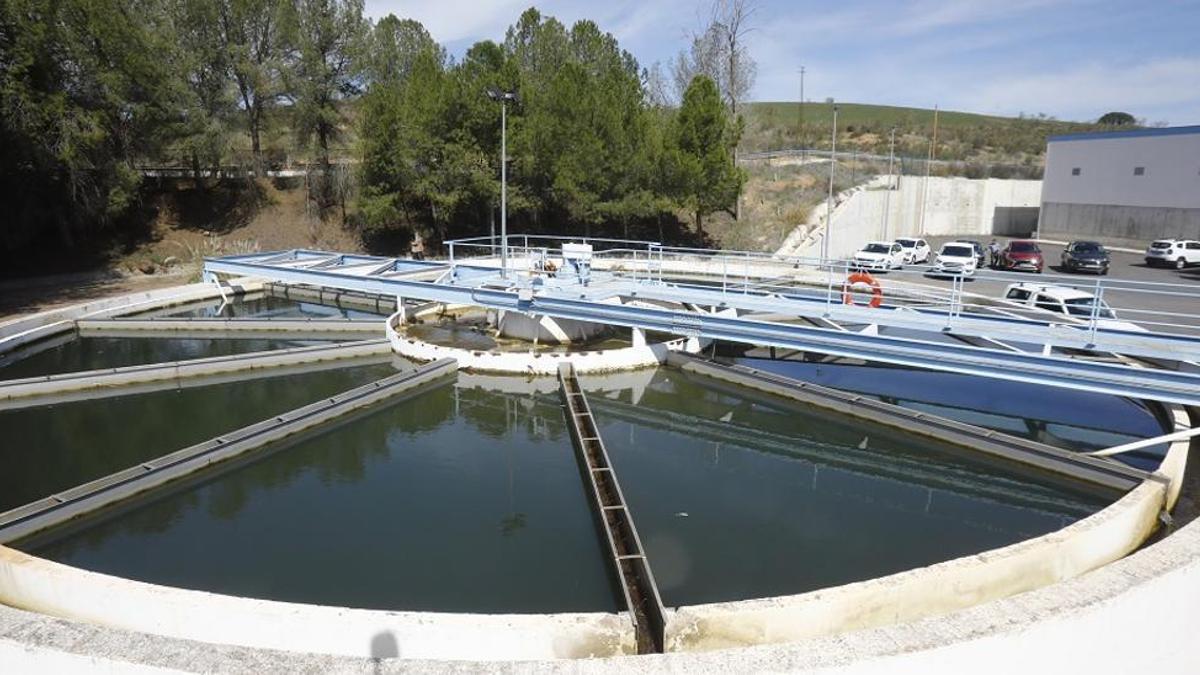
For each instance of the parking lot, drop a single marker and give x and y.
(1125, 266)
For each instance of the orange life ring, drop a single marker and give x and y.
(862, 278)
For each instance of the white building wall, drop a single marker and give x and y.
(1106, 163)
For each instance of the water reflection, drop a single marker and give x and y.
(1075, 420)
(467, 498)
(94, 353)
(55, 447)
(737, 496)
(457, 499)
(259, 306)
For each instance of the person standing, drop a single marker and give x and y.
(994, 254)
(418, 247)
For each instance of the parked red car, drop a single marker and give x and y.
(1022, 255)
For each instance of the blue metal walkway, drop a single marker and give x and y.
(634, 290)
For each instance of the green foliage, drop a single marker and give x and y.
(1116, 119)
(587, 153)
(961, 136)
(327, 38)
(82, 89)
(703, 142)
(92, 89)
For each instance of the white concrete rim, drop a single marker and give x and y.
(536, 363)
(1137, 511)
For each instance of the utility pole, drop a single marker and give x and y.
(928, 167)
(829, 199)
(503, 97)
(887, 196)
(800, 130)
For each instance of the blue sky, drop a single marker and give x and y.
(1074, 59)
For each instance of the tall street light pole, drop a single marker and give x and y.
(800, 134)
(887, 196)
(829, 200)
(503, 97)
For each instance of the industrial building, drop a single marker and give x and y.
(1122, 187)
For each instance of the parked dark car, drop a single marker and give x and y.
(1085, 256)
(1022, 255)
(980, 251)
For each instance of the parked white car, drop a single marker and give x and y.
(880, 255)
(1067, 301)
(916, 251)
(955, 259)
(1177, 253)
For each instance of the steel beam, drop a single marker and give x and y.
(289, 329)
(52, 385)
(588, 304)
(627, 557)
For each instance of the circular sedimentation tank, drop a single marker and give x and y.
(453, 520)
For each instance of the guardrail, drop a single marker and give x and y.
(1101, 302)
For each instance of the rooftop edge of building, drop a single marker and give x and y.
(1126, 133)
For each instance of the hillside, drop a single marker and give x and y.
(961, 135)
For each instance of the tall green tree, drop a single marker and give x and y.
(392, 45)
(1116, 119)
(84, 89)
(253, 34)
(328, 38)
(707, 179)
(204, 69)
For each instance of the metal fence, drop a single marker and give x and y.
(1104, 304)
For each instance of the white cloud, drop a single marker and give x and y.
(454, 20)
(1163, 88)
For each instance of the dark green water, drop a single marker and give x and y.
(263, 307)
(468, 499)
(1074, 420)
(51, 448)
(737, 497)
(56, 356)
(457, 500)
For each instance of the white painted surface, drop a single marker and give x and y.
(537, 363)
(547, 330)
(48, 587)
(1106, 171)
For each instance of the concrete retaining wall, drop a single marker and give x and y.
(970, 207)
(1133, 226)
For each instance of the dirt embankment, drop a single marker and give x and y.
(165, 241)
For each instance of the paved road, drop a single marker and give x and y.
(1185, 297)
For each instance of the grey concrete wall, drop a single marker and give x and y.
(1117, 225)
(1170, 160)
(961, 206)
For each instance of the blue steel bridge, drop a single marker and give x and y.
(789, 303)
